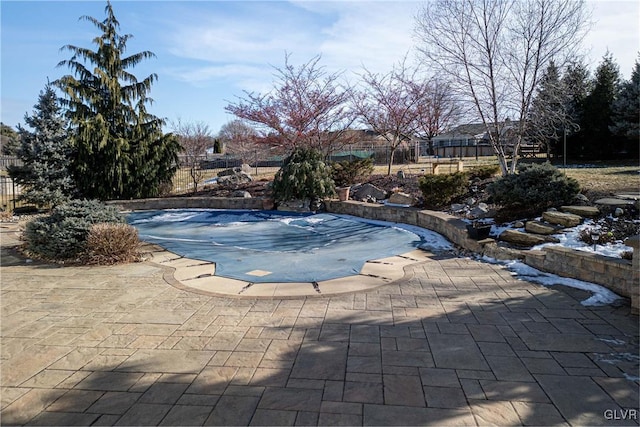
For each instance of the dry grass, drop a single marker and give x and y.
(110, 243)
(597, 179)
(600, 181)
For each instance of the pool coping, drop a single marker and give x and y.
(199, 277)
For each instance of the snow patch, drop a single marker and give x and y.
(600, 294)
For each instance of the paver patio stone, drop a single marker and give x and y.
(564, 342)
(291, 399)
(166, 361)
(233, 410)
(144, 414)
(455, 351)
(114, 402)
(321, 360)
(403, 390)
(585, 405)
(196, 415)
(263, 417)
(377, 415)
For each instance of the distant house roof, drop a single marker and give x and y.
(471, 131)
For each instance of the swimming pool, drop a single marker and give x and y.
(273, 246)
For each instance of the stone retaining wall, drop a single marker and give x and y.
(194, 203)
(616, 274)
(613, 273)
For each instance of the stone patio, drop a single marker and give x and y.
(453, 342)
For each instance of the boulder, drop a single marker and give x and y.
(583, 211)
(614, 202)
(458, 207)
(235, 179)
(481, 211)
(521, 239)
(241, 194)
(538, 227)
(561, 218)
(618, 212)
(581, 199)
(402, 199)
(230, 171)
(246, 169)
(367, 192)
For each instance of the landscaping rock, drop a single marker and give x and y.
(583, 211)
(402, 199)
(521, 239)
(241, 193)
(481, 211)
(246, 169)
(581, 199)
(538, 227)
(367, 192)
(235, 179)
(613, 202)
(618, 212)
(561, 218)
(458, 207)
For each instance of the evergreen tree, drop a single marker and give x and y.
(599, 142)
(9, 140)
(121, 151)
(45, 153)
(576, 83)
(303, 175)
(626, 109)
(548, 118)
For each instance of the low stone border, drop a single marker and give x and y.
(616, 274)
(198, 276)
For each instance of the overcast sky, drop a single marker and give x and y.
(209, 52)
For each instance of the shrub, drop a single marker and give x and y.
(440, 190)
(483, 172)
(111, 243)
(348, 172)
(303, 175)
(535, 187)
(62, 234)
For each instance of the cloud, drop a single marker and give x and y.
(232, 40)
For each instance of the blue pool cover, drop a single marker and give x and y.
(272, 246)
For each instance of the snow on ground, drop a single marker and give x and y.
(570, 238)
(600, 294)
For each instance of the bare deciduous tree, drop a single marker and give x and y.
(438, 109)
(240, 139)
(494, 53)
(194, 138)
(307, 107)
(388, 104)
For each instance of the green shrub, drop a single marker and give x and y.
(483, 172)
(535, 187)
(62, 234)
(111, 243)
(440, 190)
(348, 172)
(303, 175)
